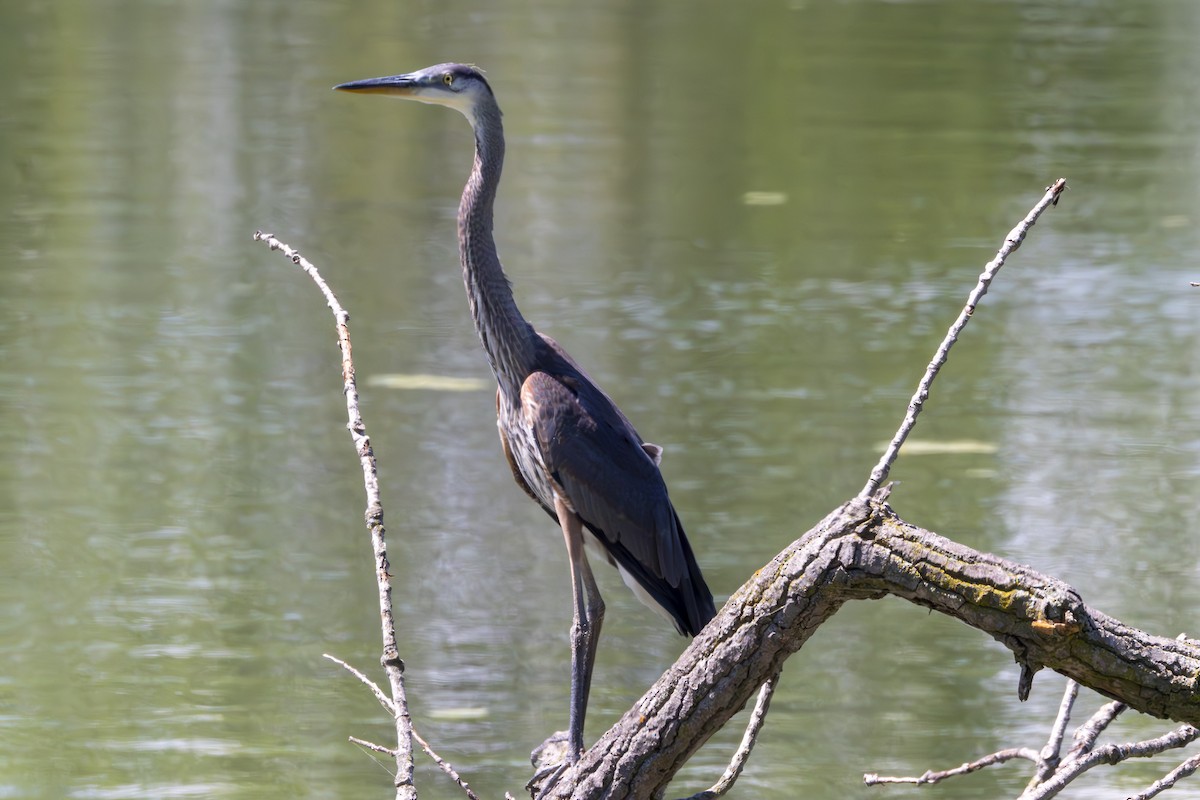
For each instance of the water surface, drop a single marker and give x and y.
(751, 223)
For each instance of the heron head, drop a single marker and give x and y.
(459, 86)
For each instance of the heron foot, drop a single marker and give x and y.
(551, 759)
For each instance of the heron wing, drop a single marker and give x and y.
(607, 475)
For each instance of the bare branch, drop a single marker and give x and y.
(757, 717)
(378, 748)
(864, 551)
(383, 699)
(1087, 733)
(1054, 746)
(1011, 242)
(1048, 759)
(1052, 775)
(1170, 779)
(1111, 754)
(445, 766)
(393, 666)
(1000, 757)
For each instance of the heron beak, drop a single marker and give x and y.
(395, 85)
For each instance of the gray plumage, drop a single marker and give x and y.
(568, 445)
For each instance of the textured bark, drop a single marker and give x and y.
(861, 551)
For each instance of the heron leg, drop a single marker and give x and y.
(587, 617)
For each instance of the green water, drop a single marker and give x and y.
(180, 506)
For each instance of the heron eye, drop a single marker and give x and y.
(448, 79)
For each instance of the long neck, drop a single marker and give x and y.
(507, 338)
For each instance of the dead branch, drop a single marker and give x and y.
(383, 699)
(1110, 754)
(1011, 242)
(930, 777)
(446, 767)
(757, 717)
(375, 748)
(1087, 734)
(1054, 774)
(1046, 759)
(392, 665)
(1049, 757)
(1170, 779)
(862, 551)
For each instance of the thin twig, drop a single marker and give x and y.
(393, 666)
(445, 766)
(1087, 733)
(1011, 243)
(1054, 773)
(757, 717)
(1170, 779)
(1054, 745)
(1111, 754)
(1049, 758)
(378, 748)
(1000, 757)
(383, 699)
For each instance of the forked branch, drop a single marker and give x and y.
(1055, 771)
(864, 551)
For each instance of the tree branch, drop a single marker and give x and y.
(392, 665)
(1111, 754)
(1011, 242)
(864, 551)
(1054, 774)
(1085, 737)
(1049, 757)
(757, 717)
(999, 757)
(1170, 779)
(446, 767)
(383, 699)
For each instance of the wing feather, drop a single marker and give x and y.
(609, 475)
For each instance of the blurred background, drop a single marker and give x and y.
(752, 223)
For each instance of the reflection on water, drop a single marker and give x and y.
(755, 256)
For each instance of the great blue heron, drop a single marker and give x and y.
(569, 446)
